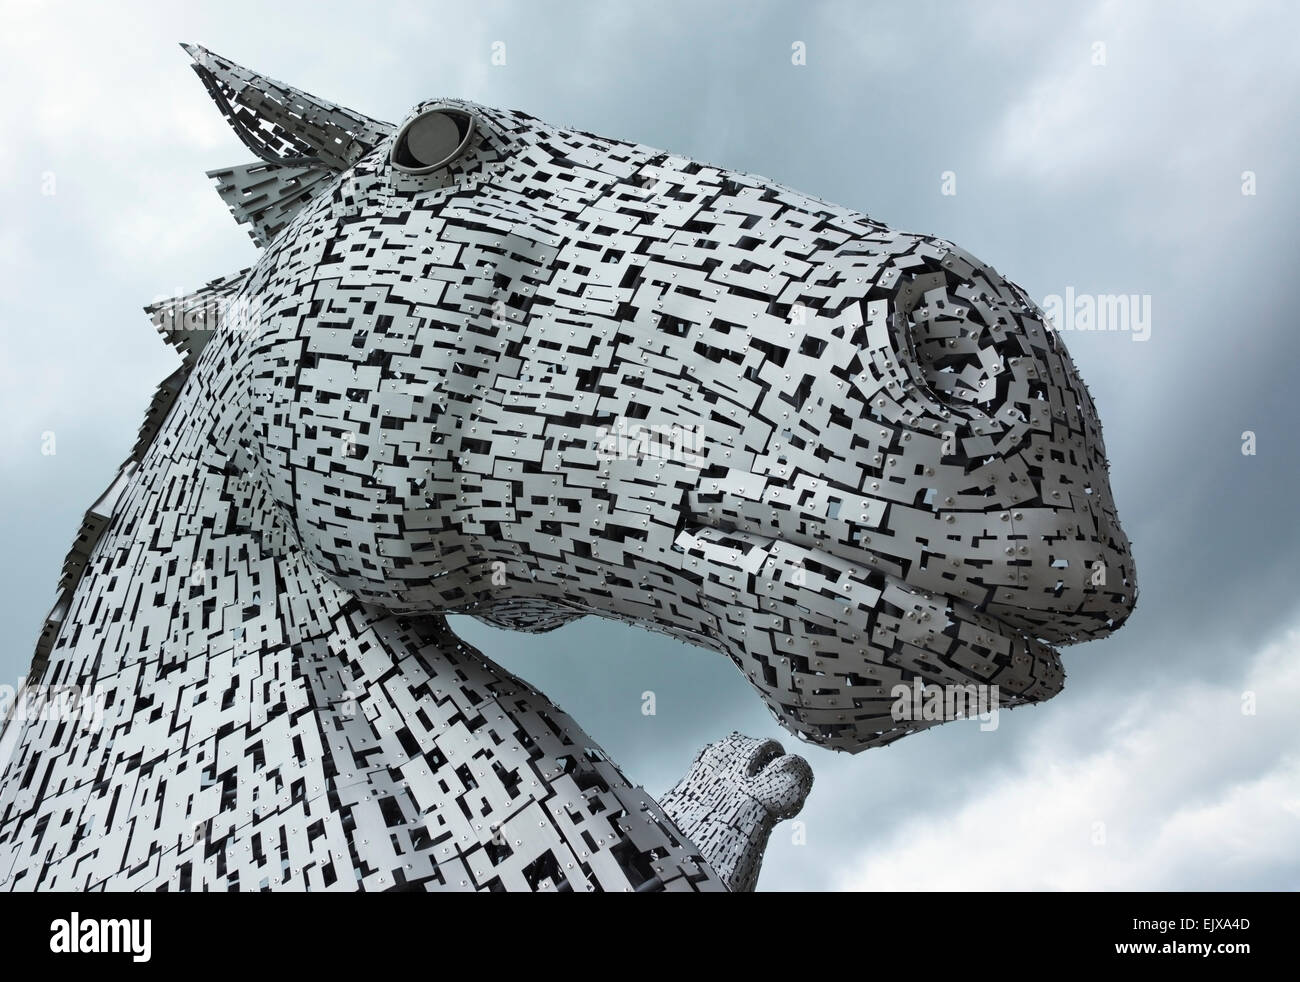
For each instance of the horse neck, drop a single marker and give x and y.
(252, 707)
(196, 565)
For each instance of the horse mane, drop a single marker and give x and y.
(303, 143)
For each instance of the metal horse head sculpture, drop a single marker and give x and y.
(492, 366)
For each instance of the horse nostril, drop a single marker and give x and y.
(958, 358)
(1019, 442)
(762, 755)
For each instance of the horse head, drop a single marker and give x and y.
(517, 370)
(493, 366)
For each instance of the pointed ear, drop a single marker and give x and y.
(282, 124)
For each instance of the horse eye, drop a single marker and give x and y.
(432, 140)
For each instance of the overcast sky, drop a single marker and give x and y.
(1117, 169)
